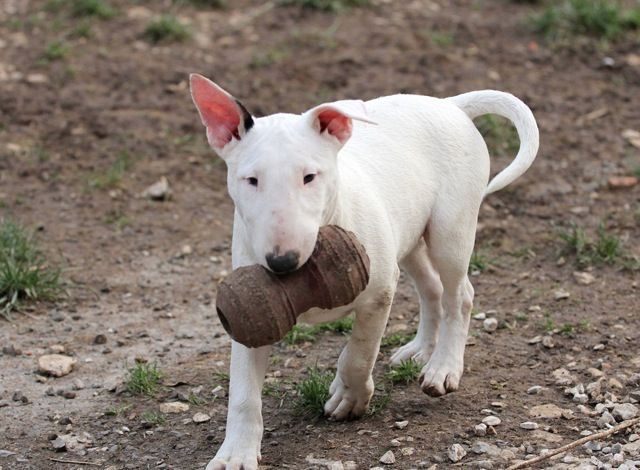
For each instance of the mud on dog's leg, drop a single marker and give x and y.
(352, 388)
(241, 446)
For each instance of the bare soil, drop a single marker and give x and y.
(143, 273)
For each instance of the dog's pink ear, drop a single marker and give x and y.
(224, 117)
(335, 119)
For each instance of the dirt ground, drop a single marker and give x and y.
(142, 273)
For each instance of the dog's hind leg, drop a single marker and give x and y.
(427, 283)
(451, 236)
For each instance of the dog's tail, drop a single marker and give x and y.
(477, 103)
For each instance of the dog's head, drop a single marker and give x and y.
(282, 169)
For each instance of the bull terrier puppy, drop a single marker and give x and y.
(407, 175)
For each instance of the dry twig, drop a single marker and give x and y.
(560, 450)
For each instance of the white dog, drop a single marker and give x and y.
(407, 175)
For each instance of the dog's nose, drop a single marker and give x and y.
(284, 263)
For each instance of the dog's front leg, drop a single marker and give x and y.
(352, 388)
(241, 446)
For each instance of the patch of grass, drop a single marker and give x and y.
(25, 274)
(307, 333)
(267, 58)
(380, 400)
(441, 39)
(83, 30)
(499, 134)
(95, 8)
(479, 262)
(56, 50)
(118, 219)
(117, 410)
(196, 400)
(607, 248)
(327, 5)
(166, 28)
(152, 417)
(143, 379)
(300, 334)
(602, 19)
(313, 392)
(113, 175)
(396, 340)
(405, 372)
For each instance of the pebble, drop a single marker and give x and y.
(595, 373)
(529, 425)
(456, 453)
(100, 339)
(583, 278)
(598, 347)
(158, 191)
(624, 411)
(622, 182)
(395, 443)
(37, 78)
(388, 458)
(401, 424)
(480, 429)
(173, 407)
(547, 411)
(78, 384)
(480, 316)
(547, 342)
(491, 421)
(561, 294)
(536, 389)
(201, 418)
(490, 325)
(562, 376)
(406, 451)
(56, 365)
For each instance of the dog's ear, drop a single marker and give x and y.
(224, 117)
(334, 120)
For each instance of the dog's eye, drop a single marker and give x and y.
(309, 178)
(253, 181)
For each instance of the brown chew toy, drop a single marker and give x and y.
(258, 307)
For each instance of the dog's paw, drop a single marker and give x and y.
(348, 402)
(441, 375)
(415, 350)
(234, 457)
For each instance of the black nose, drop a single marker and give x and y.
(285, 263)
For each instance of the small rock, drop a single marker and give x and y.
(595, 373)
(395, 443)
(615, 383)
(173, 407)
(547, 411)
(624, 411)
(480, 429)
(535, 340)
(606, 419)
(69, 394)
(100, 339)
(59, 444)
(401, 424)
(536, 389)
(563, 377)
(480, 316)
(57, 349)
(491, 421)
(561, 294)
(19, 396)
(56, 365)
(547, 342)
(631, 135)
(406, 451)
(201, 418)
(583, 278)
(158, 191)
(622, 182)
(37, 78)
(78, 384)
(456, 453)
(581, 398)
(388, 458)
(529, 425)
(598, 347)
(490, 325)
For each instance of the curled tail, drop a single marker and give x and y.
(477, 103)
